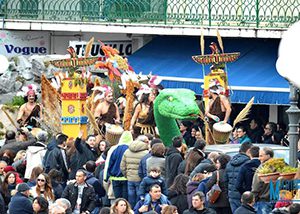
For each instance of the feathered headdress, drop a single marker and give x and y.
(154, 81)
(104, 90)
(144, 89)
(28, 90)
(218, 87)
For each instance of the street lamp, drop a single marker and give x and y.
(294, 116)
(288, 66)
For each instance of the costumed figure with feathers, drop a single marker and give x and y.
(30, 112)
(218, 108)
(107, 111)
(142, 121)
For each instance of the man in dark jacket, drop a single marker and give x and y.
(90, 166)
(269, 130)
(245, 176)
(80, 194)
(256, 131)
(85, 151)
(57, 158)
(247, 204)
(231, 174)
(173, 159)
(198, 202)
(15, 145)
(20, 202)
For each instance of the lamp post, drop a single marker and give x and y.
(294, 116)
(287, 67)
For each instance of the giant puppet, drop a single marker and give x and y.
(172, 104)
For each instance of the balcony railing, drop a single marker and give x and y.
(262, 14)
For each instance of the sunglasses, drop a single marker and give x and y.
(41, 180)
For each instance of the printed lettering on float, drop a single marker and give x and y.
(123, 46)
(15, 43)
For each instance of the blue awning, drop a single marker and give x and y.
(253, 74)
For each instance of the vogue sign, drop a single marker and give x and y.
(14, 43)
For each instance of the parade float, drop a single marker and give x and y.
(67, 106)
(218, 76)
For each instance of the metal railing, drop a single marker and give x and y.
(225, 13)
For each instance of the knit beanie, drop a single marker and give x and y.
(126, 138)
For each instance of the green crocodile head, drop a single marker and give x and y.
(177, 104)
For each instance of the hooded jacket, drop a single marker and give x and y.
(232, 171)
(34, 156)
(173, 159)
(113, 170)
(131, 159)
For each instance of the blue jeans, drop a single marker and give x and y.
(133, 188)
(263, 207)
(234, 204)
(120, 189)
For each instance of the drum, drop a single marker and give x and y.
(113, 133)
(221, 132)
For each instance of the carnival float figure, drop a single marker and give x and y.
(29, 113)
(172, 104)
(216, 93)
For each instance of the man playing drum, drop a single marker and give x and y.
(107, 111)
(218, 108)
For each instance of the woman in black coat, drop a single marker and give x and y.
(177, 193)
(221, 206)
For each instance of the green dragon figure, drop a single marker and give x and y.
(172, 104)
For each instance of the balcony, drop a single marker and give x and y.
(250, 14)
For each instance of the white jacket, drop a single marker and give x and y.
(34, 157)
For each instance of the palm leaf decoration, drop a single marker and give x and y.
(242, 116)
(51, 116)
(202, 43)
(92, 121)
(88, 47)
(220, 41)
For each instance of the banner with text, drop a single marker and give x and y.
(124, 48)
(14, 43)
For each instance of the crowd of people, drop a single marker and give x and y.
(139, 174)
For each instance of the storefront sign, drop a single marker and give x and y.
(14, 43)
(124, 47)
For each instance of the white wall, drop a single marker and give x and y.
(60, 40)
(273, 113)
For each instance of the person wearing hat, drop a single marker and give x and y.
(20, 202)
(218, 108)
(30, 111)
